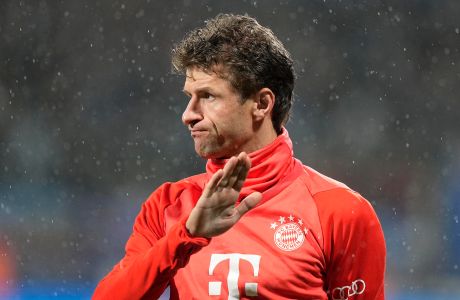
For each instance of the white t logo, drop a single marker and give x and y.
(250, 288)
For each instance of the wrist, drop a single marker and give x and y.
(189, 228)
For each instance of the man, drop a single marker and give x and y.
(258, 224)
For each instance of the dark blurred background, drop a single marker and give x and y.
(90, 126)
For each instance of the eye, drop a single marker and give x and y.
(207, 96)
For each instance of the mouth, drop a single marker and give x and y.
(197, 132)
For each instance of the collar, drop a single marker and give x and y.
(269, 165)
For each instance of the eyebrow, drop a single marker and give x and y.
(205, 89)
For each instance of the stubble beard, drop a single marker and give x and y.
(212, 147)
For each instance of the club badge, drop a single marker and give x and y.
(289, 233)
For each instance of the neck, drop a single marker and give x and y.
(268, 166)
(264, 136)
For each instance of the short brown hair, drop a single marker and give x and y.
(252, 57)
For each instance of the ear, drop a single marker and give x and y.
(264, 100)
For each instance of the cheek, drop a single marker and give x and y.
(230, 119)
(239, 123)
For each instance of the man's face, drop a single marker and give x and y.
(220, 125)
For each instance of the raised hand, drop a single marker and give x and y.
(215, 211)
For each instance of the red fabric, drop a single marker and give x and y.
(269, 165)
(153, 255)
(311, 237)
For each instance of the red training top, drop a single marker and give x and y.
(310, 237)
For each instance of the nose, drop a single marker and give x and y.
(192, 113)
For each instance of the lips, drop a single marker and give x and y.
(197, 132)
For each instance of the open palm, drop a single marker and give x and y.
(215, 211)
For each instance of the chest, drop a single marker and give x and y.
(273, 252)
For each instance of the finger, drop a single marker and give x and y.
(211, 186)
(234, 176)
(247, 204)
(241, 163)
(243, 171)
(228, 171)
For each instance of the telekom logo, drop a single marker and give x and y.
(250, 288)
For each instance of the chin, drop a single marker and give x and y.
(214, 151)
(210, 154)
(203, 153)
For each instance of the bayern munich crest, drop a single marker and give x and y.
(289, 233)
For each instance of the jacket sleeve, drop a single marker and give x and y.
(152, 256)
(354, 246)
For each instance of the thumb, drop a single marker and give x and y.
(248, 203)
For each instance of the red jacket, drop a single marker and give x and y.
(310, 237)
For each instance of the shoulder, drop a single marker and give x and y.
(342, 205)
(335, 200)
(169, 192)
(166, 198)
(317, 182)
(350, 228)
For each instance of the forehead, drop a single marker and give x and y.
(193, 75)
(196, 78)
